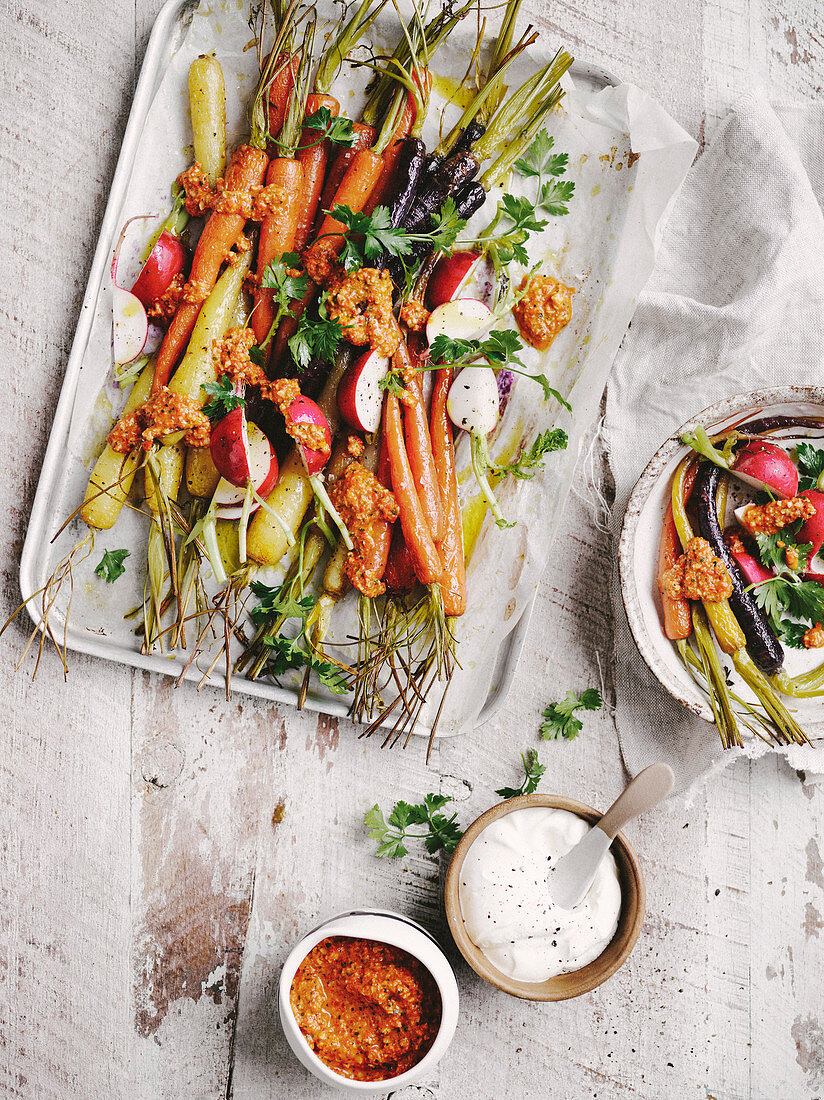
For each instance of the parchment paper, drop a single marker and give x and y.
(627, 158)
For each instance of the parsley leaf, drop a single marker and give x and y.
(393, 383)
(372, 235)
(338, 130)
(559, 718)
(446, 225)
(278, 602)
(224, 397)
(529, 462)
(532, 776)
(287, 653)
(555, 196)
(437, 830)
(369, 236)
(786, 593)
(111, 565)
(500, 350)
(792, 634)
(540, 162)
(317, 337)
(277, 276)
(810, 465)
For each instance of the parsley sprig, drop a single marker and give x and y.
(372, 235)
(339, 131)
(500, 349)
(289, 653)
(553, 194)
(419, 821)
(810, 466)
(787, 594)
(278, 276)
(224, 397)
(318, 336)
(520, 221)
(111, 566)
(533, 770)
(559, 718)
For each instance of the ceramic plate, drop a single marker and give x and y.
(638, 549)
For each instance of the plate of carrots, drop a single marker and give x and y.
(313, 344)
(721, 570)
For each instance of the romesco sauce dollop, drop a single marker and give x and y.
(368, 1010)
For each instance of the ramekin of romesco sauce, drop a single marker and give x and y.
(369, 1011)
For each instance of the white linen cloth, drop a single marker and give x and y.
(735, 304)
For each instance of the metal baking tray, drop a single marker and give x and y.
(48, 510)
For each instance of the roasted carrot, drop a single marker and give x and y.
(277, 235)
(364, 137)
(427, 561)
(353, 192)
(677, 612)
(280, 91)
(246, 169)
(393, 151)
(453, 582)
(419, 444)
(313, 156)
(399, 575)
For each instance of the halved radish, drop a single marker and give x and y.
(360, 399)
(450, 272)
(472, 402)
(812, 530)
(229, 445)
(460, 319)
(263, 473)
(769, 464)
(307, 411)
(164, 262)
(130, 325)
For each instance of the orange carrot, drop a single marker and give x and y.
(399, 574)
(280, 91)
(246, 169)
(364, 136)
(353, 191)
(313, 156)
(393, 151)
(277, 235)
(427, 561)
(453, 581)
(677, 615)
(419, 445)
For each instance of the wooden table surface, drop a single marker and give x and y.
(162, 849)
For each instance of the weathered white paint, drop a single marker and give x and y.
(161, 850)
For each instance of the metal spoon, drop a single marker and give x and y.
(572, 875)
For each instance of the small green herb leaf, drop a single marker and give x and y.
(224, 398)
(338, 130)
(111, 566)
(810, 465)
(559, 718)
(533, 771)
(317, 337)
(437, 831)
(288, 654)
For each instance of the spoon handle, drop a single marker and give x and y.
(646, 790)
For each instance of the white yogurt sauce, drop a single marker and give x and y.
(507, 906)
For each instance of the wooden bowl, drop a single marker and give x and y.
(562, 986)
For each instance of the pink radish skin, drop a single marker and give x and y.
(449, 273)
(813, 529)
(229, 445)
(768, 463)
(263, 473)
(360, 400)
(164, 262)
(307, 411)
(752, 569)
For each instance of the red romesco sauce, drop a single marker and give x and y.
(368, 1010)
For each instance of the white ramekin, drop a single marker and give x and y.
(398, 931)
